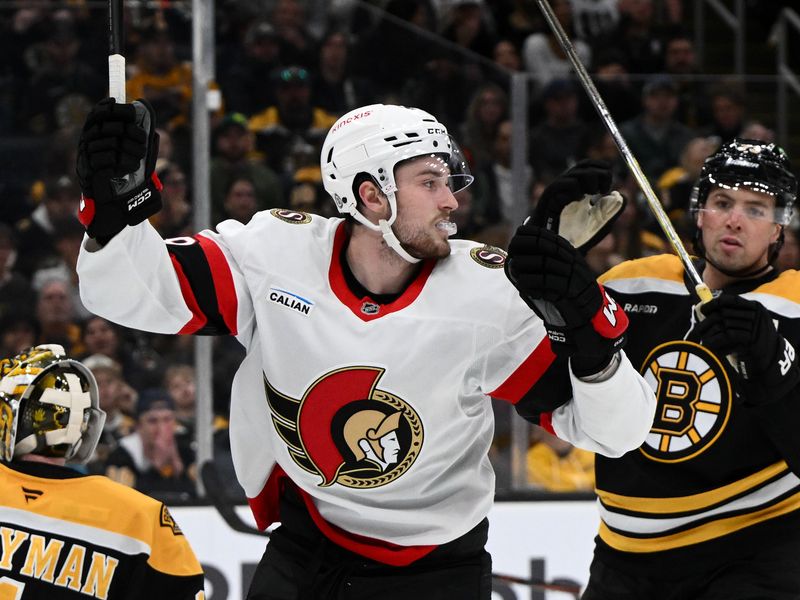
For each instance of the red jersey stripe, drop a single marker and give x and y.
(527, 374)
(223, 281)
(266, 512)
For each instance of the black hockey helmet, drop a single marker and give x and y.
(750, 164)
(754, 165)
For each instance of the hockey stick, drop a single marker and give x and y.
(700, 287)
(116, 58)
(215, 492)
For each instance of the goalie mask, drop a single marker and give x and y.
(371, 141)
(49, 406)
(750, 164)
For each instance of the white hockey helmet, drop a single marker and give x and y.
(49, 406)
(373, 140)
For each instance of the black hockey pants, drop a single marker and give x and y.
(300, 563)
(771, 572)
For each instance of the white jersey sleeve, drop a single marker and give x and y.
(609, 417)
(187, 285)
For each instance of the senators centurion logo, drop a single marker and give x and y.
(694, 401)
(347, 431)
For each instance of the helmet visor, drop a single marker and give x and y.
(784, 201)
(436, 172)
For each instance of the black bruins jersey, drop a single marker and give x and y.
(714, 477)
(66, 536)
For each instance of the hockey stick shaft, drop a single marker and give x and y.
(116, 57)
(701, 288)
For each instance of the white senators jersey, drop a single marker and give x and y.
(68, 536)
(378, 413)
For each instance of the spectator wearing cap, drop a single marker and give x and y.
(245, 85)
(234, 158)
(113, 391)
(35, 233)
(334, 87)
(655, 137)
(15, 291)
(152, 459)
(555, 142)
(290, 133)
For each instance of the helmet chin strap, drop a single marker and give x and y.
(391, 239)
(384, 227)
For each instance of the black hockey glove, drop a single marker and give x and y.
(766, 361)
(579, 204)
(116, 163)
(582, 320)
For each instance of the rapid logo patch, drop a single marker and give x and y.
(693, 395)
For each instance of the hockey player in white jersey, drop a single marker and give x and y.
(360, 416)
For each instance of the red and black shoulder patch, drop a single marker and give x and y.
(487, 256)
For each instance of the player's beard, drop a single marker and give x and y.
(421, 240)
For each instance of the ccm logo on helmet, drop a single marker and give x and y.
(436, 130)
(349, 120)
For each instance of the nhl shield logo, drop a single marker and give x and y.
(694, 397)
(347, 431)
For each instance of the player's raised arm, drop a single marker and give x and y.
(127, 273)
(612, 409)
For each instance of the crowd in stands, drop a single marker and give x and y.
(286, 69)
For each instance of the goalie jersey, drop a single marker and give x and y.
(67, 536)
(378, 412)
(714, 476)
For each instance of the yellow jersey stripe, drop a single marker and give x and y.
(694, 502)
(701, 533)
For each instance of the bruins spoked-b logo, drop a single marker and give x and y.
(347, 431)
(694, 401)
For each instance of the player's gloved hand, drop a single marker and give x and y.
(579, 204)
(117, 155)
(582, 320)
(766, 361)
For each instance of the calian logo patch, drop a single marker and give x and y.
(290, 300)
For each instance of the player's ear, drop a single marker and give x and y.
(371, 196)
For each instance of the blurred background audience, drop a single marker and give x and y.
(286, 69)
